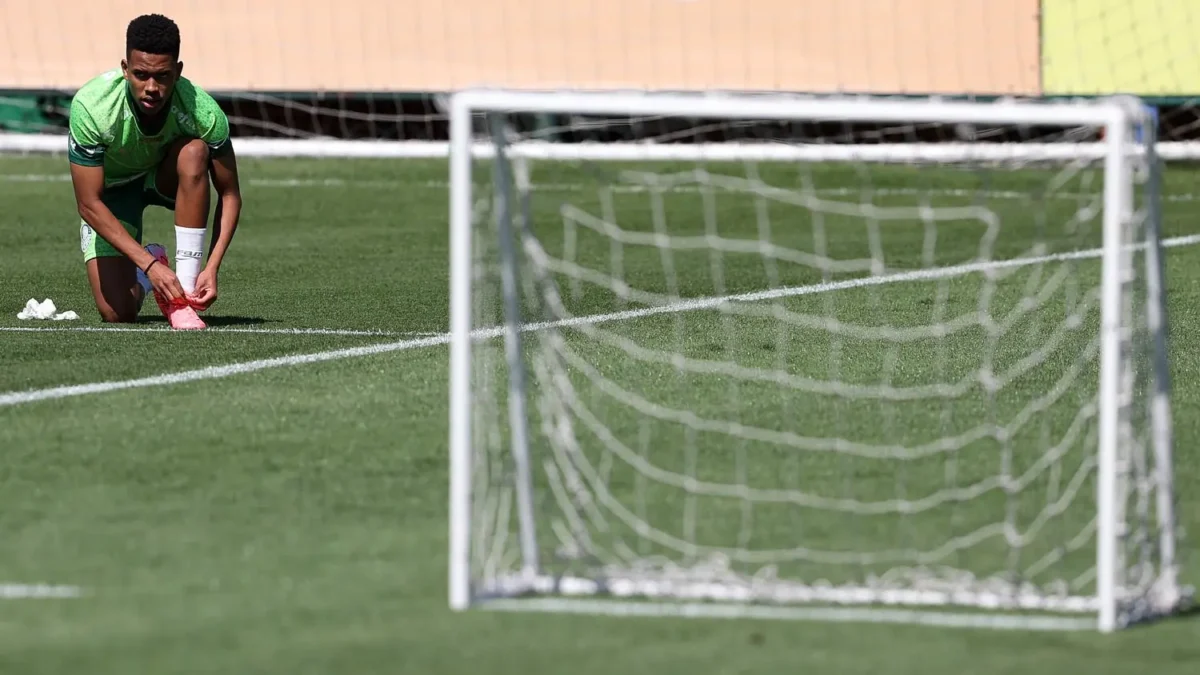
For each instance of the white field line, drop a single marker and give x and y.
(217, 372)
(544, 187)
(60, 327)
(620, 189)
(37, 591)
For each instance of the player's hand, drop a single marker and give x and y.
(165, 283)
(206, 290)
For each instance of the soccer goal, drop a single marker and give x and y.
(846, 380)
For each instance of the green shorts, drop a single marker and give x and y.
(127, 202)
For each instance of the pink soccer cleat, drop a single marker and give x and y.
(180, 315)
(183, 317)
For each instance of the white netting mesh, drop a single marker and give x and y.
(836, 381)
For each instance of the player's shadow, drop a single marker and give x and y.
(224, 320)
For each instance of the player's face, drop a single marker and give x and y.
(152, 78)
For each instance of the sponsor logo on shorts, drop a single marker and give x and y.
(86, 235)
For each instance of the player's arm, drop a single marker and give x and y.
(88, 182)
(85, 152)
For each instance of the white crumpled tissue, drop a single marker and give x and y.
(44, 310)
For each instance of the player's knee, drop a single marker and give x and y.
(110, 314)
(118, 308)
(192, 164)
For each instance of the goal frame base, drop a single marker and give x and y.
(630, 596)
(827, 614)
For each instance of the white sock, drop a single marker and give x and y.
(189, 251)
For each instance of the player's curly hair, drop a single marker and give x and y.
(153, 34)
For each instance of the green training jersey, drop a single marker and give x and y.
(105, 132)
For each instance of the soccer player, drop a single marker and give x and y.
(144, 135)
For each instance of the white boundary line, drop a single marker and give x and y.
(290, 183)
(217, 372)
(214, 372)
(38, 591)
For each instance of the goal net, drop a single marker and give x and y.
(842, 379)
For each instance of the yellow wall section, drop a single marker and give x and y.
(1145, 47)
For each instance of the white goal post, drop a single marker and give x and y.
(810, 381)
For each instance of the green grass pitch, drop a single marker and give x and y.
(293, 519)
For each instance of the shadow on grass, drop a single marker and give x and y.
(158, 319)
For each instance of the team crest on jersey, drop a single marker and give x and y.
(185, 121)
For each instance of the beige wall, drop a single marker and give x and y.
(892, 46)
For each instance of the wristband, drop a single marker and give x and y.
(147, 269)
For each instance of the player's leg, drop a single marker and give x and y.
(118, 286)
(115, 288)
(181, 185)
(182, 179)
